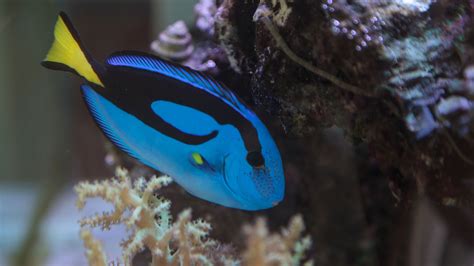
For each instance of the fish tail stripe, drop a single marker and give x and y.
(67, 53)
(154, 64)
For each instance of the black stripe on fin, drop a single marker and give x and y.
(58, 66)
(74, 34)
(67, 52)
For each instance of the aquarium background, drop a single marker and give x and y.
(352, 207)
(48, 139)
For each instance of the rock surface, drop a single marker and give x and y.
(411, 62)
(395, 78)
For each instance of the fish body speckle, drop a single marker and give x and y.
(177, 121)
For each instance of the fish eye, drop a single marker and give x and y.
(255, 159)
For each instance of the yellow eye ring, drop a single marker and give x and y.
(197, 158)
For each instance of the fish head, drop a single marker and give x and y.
(255, 178)
(230, 175)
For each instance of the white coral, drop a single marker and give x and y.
(286, 248)
(147, 216)
(184, 242)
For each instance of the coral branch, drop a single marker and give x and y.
(184, 242)
(94, 252)
(147, 217)
(276, 249)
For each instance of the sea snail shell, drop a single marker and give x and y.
(174, 43)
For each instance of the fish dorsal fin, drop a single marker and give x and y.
(195, 78)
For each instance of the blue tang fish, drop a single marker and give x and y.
(177, 121)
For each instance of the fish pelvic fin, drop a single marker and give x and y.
(68, 54)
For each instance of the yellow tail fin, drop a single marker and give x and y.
(67, 53)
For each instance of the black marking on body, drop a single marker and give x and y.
(134, 90)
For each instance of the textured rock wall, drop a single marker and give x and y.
(395, 78)
(410, 61)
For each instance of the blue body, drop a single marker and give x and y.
(225, 177)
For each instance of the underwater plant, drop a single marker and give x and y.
(182, 242)
(149, 220)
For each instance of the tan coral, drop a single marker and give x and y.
(184, 242)
(287, 248)
(94, 252)
(149, 221)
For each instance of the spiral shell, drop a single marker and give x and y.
(174, 43)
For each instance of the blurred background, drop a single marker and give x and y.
(48, 141)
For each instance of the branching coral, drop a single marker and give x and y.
(147, 216)
(286, 248)
(94, 251)
(184, 242)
